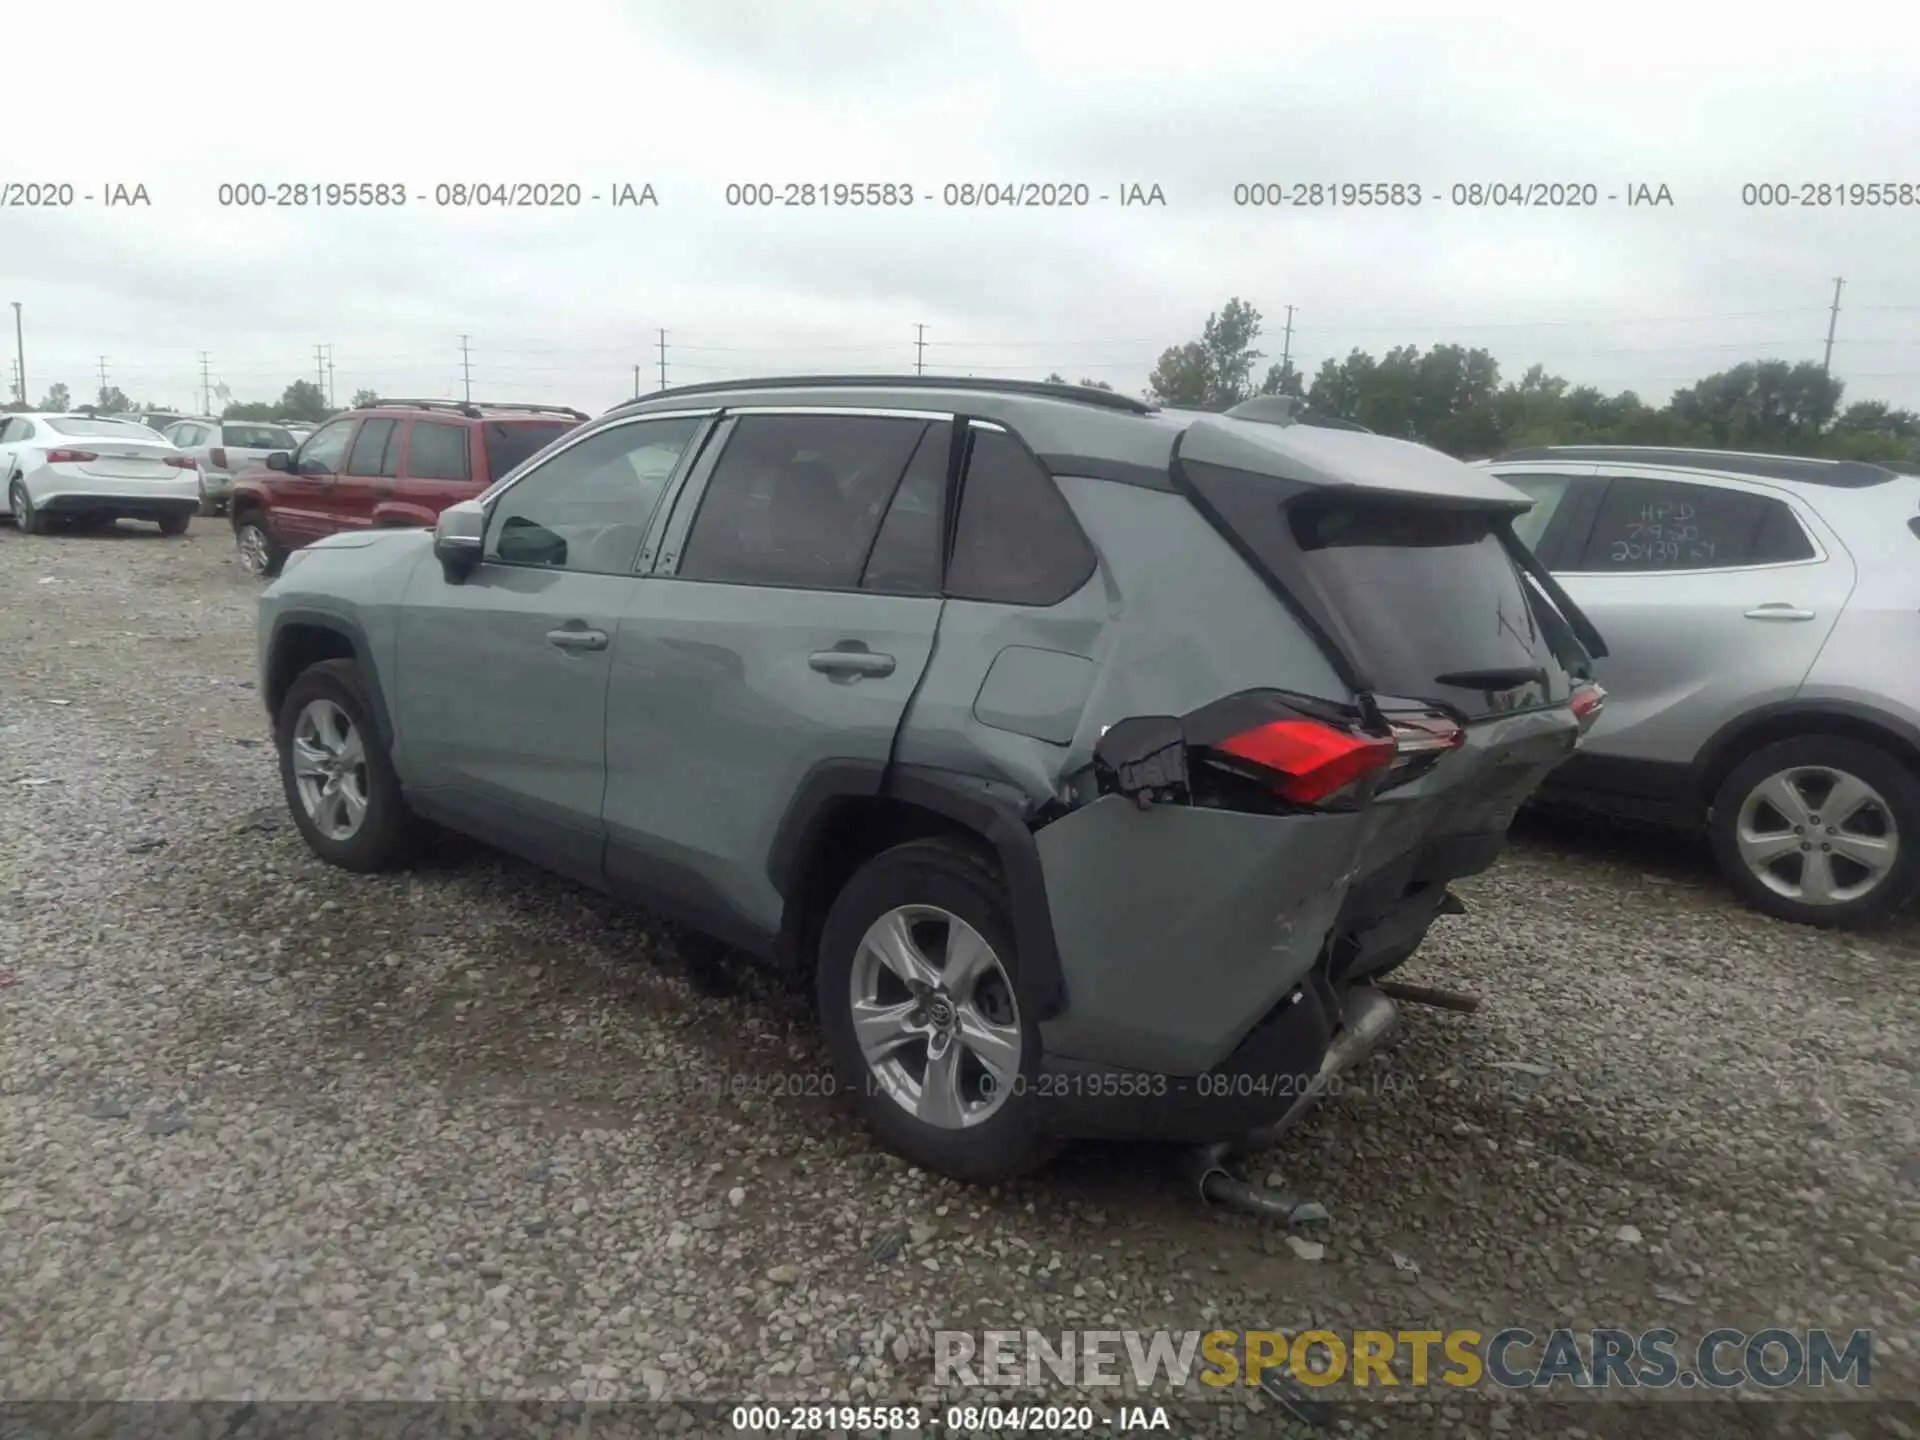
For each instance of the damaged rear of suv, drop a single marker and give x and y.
(1090, 761)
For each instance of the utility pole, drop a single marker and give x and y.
(663, 359)
(206, 386)
(20, 354)
(466, 367)
(329, 376)
(636, 382)
(320, 370)
(920, 351)
(1286, 345)
(1833, 322)
(103, 382)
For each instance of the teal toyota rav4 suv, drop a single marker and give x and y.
(1089, 760)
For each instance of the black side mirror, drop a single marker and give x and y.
(282, 461)
(457, 538)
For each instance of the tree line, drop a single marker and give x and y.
(1452, 398)
(303, 400)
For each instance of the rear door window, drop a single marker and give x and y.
(905, 559)
(439, 452)
(1017, 542)
(796, 500)
(1652, 526)
(376, 450)
(251, 437)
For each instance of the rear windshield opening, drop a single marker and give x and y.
(509, 442)
(257, 437)
(1431, 602)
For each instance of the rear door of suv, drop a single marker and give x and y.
(783, 627)
(438, 466)
(1716, 595)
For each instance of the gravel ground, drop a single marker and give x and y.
(270, 1130)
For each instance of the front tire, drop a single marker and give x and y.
(340, 785)
(26, 518)
(260, 554)
(917, 983)
(1822, 830)
(174, 524)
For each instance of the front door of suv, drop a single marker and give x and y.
(783, 629)
(1715, 596)
(501, 678)
(301, 508)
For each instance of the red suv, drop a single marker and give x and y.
(397, 463)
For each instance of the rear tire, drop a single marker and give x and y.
(175, 524)
(972, 1129)
(26, 519)
(1853, 861)
(358, 819)
(260, 554)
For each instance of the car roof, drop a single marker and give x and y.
(1809, 470)
(1082, 431)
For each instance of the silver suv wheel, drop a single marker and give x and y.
(330, 769)
(934, 1013)
(1817, 835)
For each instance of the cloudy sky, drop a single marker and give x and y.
(560, 305)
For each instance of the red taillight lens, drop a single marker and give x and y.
(70, 457)
(183, 462)
(218, 457)
(1309, 760)
(1587, 701)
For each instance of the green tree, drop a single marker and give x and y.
(113, 401)
(365, 397)
(1056, 378)
(304, 400)
(57, 399)
(252, 410)
(1762, 404)
(1214, 372)
(1283, 379)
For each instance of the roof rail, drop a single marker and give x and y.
(457, 407)
(1040, 389)
(1812, 470)
(567, 410)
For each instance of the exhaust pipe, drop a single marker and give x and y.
(1369, 1016)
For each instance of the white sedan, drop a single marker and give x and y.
(94, 470)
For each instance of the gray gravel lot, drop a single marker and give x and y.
(271, 1130)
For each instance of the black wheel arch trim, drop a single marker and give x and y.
(968, 802)
(1719, 755)
(347, 629)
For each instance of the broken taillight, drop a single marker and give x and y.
(1308, 761)
(1586, 703)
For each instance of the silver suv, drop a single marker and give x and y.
(1764, 617)
(1087, 760)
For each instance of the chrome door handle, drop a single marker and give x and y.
(850, 662)
(1778, 611)
(578, 639)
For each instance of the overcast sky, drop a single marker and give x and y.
(1196, 97)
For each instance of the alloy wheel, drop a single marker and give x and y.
(252, 545)
(1817, 835)
(330, 770)
(935, 1016)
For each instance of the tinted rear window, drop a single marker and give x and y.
(105, 429)
(256, 437)
(1431, 604)
(510, 442)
